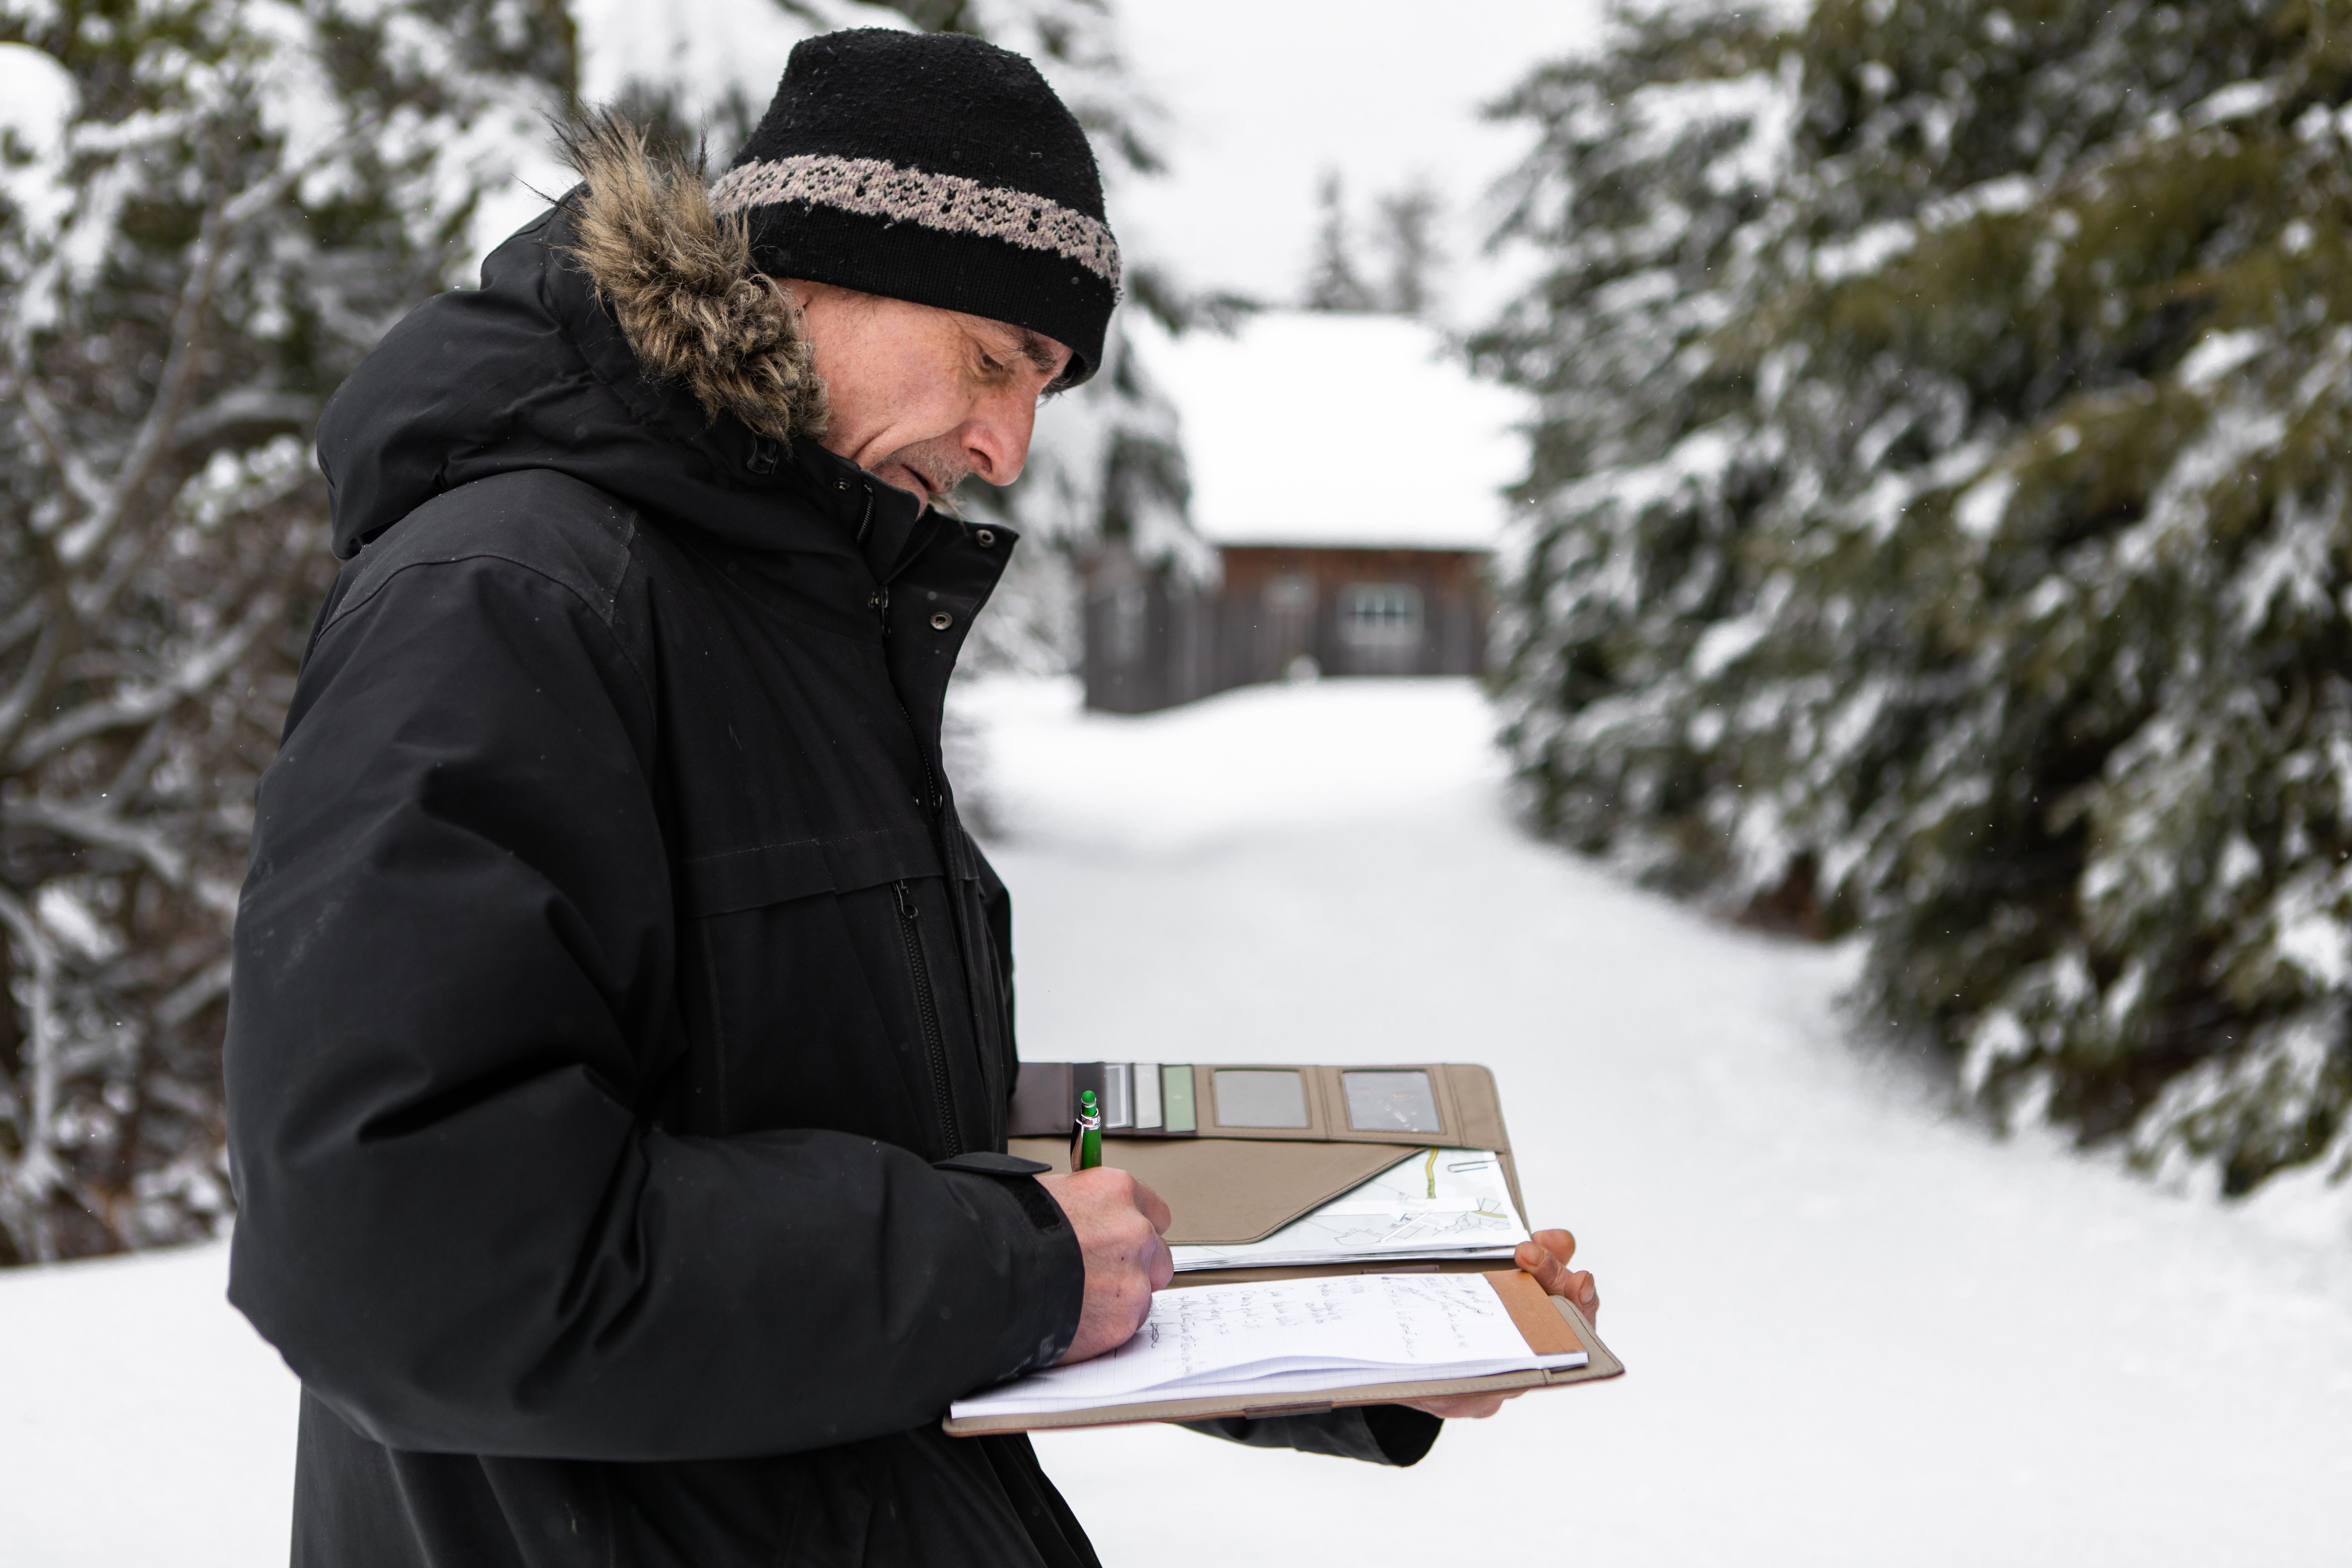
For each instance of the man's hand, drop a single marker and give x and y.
(1119, 1222)
(1546, 1258)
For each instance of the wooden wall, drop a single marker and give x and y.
(1152, 642)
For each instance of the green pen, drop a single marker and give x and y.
(1085, 1138)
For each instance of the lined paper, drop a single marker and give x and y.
(1287, 1336)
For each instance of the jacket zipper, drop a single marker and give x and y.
(932, 798)
(926, 1010)
(927, 1006)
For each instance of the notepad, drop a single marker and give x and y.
(1436, 1203)
(1273, 1340)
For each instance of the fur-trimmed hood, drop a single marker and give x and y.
(623, 339)
(680, 281)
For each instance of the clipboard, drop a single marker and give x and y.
(1241, 1150)
(1548, 1323)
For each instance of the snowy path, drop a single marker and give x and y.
(1858, 1333)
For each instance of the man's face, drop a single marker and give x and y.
(920, 396)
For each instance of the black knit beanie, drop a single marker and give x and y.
(936, 168)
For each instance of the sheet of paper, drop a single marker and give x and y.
(1285, 1336)
(1435, 1203)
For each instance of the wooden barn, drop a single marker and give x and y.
(1347, 471)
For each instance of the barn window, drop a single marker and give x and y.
(1380, 614)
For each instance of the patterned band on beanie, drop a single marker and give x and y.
(949, 203)
(934, 168)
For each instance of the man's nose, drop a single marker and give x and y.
(996, 439)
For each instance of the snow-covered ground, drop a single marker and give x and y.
(1858, 1332)
(142, 1421)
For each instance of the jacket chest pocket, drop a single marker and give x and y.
(821, 983)
(797, 869)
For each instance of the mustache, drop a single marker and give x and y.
(941, 473)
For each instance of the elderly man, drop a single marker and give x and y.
(622, 1040)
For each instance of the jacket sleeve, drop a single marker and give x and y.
(452, 986)
(1377, 1434)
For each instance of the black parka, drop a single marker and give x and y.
(621, 1033)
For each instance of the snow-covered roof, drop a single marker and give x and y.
(1326, 429)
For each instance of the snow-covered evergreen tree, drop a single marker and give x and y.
(209, 209)
(1335, 281)
(1937, 528)
(1407, 236)
(1390, 268)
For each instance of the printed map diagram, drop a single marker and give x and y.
(1435, 1202)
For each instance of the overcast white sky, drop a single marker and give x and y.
(1263, 95)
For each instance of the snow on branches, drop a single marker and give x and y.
(1937, 529)
(209, 209)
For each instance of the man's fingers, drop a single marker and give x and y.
(1153, 1208)
(1582, 1289)
(1145, 1221)
(1546, 1257)
(1119, 1224)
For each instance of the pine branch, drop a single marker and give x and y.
(138, 707)
(131, 777)
(245, 405)
(153, 438)
(97, 601)
(192, 996)
(37, 1173)
(49, 429)
(103, 829)
(31, 682)
(25, 620)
